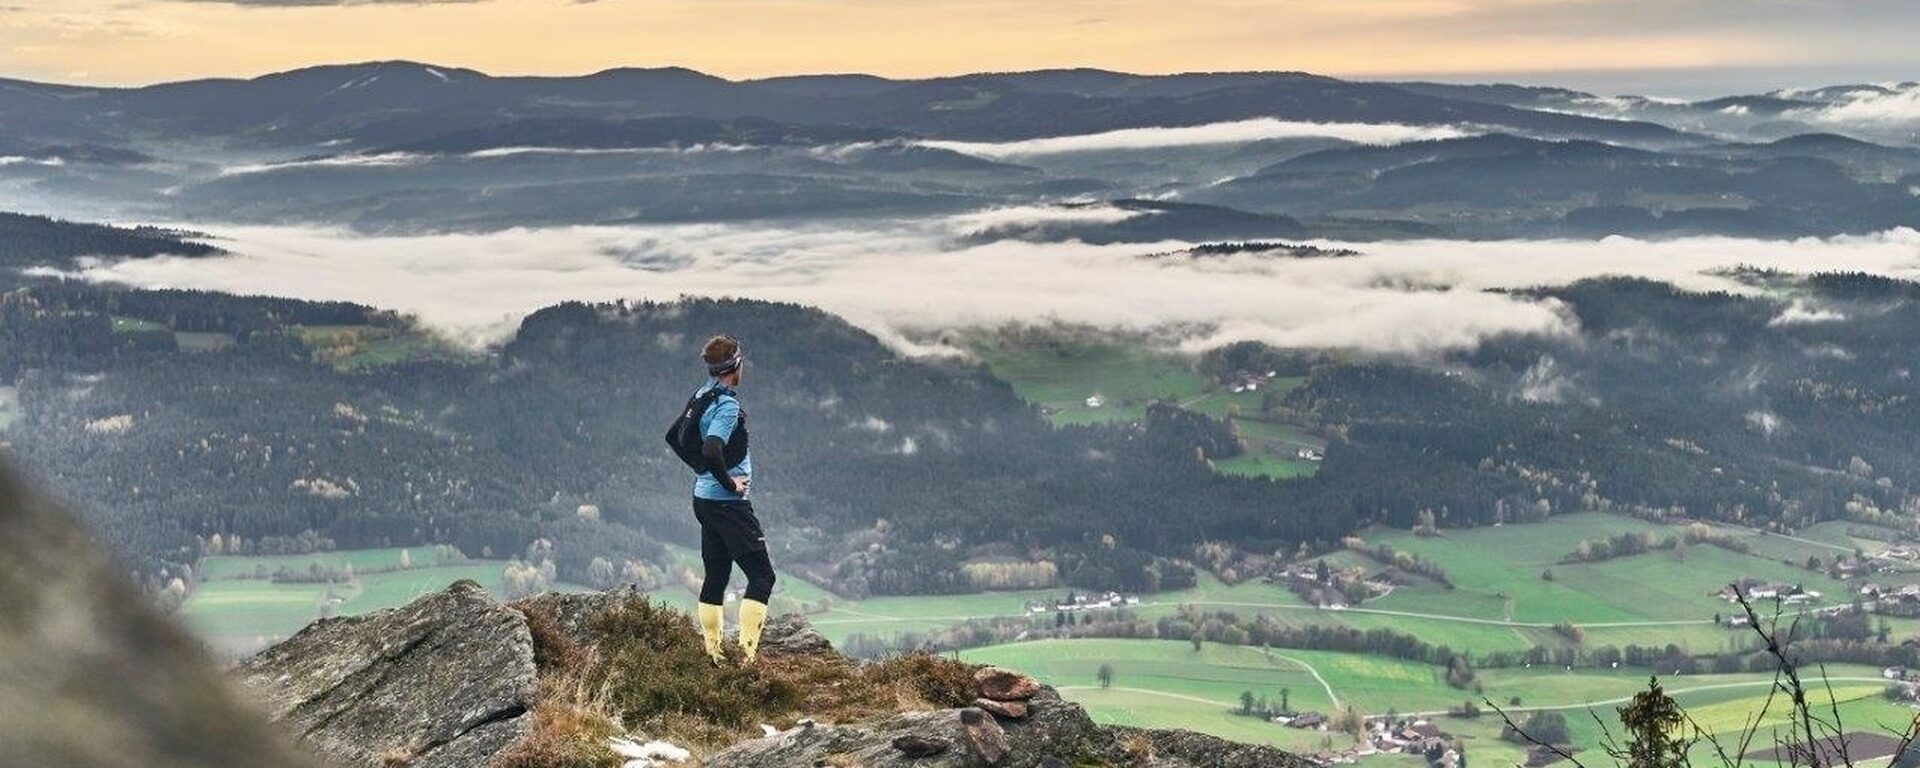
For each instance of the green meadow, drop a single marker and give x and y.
(135, 325)
(1168, 684)
(1499, 573)
(1063, 377)
(237, 607)
(1499, 602)
(355, 347)
(1060, 378)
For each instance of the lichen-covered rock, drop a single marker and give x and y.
(916, 746)
(91, 676)
(984, 734)
(1012, 710)
(1056, 733)
(1058, 729)
(1005, 684)
(443, 682)
(792, 633)
(869, 745)
(573, 613)
(1199, 749)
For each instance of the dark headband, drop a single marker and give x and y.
(727, 366)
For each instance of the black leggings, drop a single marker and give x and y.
(729, 534)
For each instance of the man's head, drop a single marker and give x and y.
(724, 360)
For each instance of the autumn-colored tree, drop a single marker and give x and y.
(1656, 729)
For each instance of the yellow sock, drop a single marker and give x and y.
(712, 628)
(753, 616)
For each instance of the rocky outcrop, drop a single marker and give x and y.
(1199, 749)
(90, 675)
(1055, 734)
(445, 682)
(1005, 684)
(572, 615)
(792, 633)
(449, 681)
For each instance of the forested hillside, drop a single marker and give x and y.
(1791, 405)
(287, 426)
(38, 241)
(886, 472)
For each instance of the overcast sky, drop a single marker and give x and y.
(1678, 47)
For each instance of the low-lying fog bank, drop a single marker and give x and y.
(904, 279)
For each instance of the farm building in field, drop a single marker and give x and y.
(1083, 601)
(1757, 590)
(1308, 721)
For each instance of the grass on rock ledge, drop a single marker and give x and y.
(646, 671)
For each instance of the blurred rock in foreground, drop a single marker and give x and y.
(90, 674)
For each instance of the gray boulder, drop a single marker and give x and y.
(1055, 734)
(572, 613)
(445, 681)
(938, 739)
(792, 633)
(91, 676)
(1005, 684)
(1173, 747)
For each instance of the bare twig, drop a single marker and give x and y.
(1801, 720)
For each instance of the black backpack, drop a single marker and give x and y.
(685, 437)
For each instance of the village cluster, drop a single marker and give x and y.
(1083, 601)
(1382, 736)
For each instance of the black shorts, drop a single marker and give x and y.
(730, 524)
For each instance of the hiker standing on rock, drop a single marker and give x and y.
(711, 437)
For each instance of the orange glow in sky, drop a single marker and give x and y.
(143, 41)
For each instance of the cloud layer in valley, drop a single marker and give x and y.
(1895, 105)
(1236, 132)
(906, 280)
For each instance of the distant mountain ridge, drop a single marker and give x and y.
(392, 102)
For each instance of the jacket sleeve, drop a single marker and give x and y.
(714, 451)
(726, 418)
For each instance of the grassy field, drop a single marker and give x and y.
(353, 347)
(1062, 377)
(253, 608)
(135, 325)
(236, 609)
(227, 567)
(1498, 574)
(1499, 602)
(1168, 684)
(1265, 463)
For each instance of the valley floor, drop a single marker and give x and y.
(1498, 602)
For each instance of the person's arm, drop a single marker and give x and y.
(726, 418)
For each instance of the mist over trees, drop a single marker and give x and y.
(885, 475)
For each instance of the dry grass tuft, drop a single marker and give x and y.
(648, 670)
(936, 681)
(554, 652)
(564, 735)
